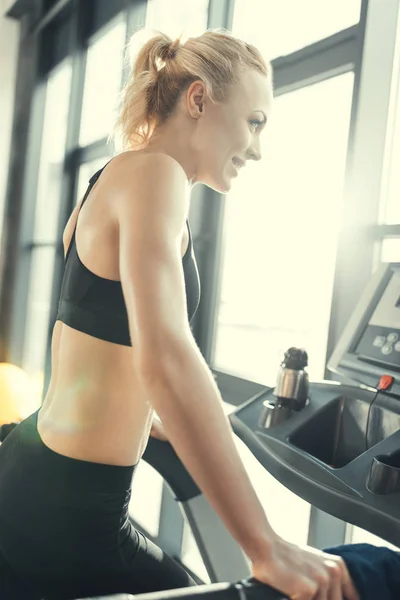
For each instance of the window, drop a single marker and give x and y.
(360, 536)
(281, 228)
(189, 18)
(38, 309)
(392, 204)
(191, 556)
(281, 225)
(279, 27)
(390, 250)
(52, 154)
(288, 514)
(145, 505)
(104, 66)
(45, 229)
(86, 171)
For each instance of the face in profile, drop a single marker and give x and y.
(228, 134)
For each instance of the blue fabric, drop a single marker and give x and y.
(374, 570)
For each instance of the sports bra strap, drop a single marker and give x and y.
(92, 181)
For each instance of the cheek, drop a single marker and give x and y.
(219, 130)
(212, 145)
(244, 136)
(216, 142)
(237, 138)
(228, 142)
(207, 141)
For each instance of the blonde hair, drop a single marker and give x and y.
(164, 68)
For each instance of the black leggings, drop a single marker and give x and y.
(64, 526)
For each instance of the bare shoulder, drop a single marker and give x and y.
(147, 190)
(144, 172)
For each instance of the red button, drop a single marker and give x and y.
(385, 382)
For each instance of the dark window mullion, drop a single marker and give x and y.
(136, 16)
(78, 28)
(327, 58)
(50, 14)
(92, 152)
(379, 232)
(22, 186)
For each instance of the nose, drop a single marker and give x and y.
(254, 152)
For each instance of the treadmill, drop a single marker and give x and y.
(339, 452)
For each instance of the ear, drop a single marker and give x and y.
(196, 98)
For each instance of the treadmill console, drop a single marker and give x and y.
(370, 344)
(340, 450)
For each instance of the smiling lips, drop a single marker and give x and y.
(238, 163)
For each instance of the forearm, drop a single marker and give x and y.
(188, 402)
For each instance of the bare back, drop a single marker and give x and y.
(95, 408)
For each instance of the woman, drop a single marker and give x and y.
(122, 347)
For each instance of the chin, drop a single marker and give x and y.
(222, 186)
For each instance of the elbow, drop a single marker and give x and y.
(158, 364)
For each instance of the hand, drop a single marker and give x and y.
(305, 573)
(157, 430)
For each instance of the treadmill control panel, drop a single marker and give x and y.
(370, 345)
(381, 337)
(381, 344)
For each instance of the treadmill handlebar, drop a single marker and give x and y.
(163, 458)
(5, 429)
(248, 589)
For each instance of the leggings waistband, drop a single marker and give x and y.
(53, 468)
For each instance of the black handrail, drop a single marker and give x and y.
(248, 589)
(6, 429)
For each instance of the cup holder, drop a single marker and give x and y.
(384, 474)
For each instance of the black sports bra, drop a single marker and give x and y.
(96, 306)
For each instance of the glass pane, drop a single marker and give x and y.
(145, 504)
(38, 312)
(288, 514)
(191, 556)
(390, 250)
(52, 154)
(392, 205)
(187, 18)
(104, 65)
(86, 171)
(55, 45)
(281, 229)
(360, 536)
(279, 27)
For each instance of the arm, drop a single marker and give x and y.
(172, 371)
(151, 211)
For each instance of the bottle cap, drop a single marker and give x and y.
(295, 358)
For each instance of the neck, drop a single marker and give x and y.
(174, 142)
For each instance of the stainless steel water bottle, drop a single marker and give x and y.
(291, 390)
